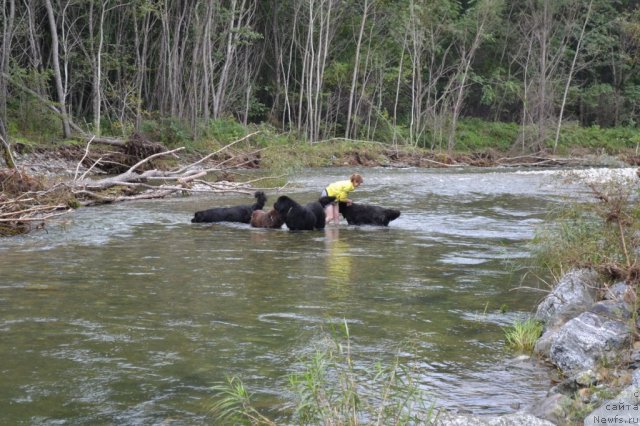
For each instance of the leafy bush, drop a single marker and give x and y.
(171, 132)
(609, 141)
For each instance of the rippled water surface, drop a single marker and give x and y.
(129, 313)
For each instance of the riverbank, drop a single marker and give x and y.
(67, 159)
(590, 338)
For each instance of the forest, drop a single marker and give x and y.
(402, 72)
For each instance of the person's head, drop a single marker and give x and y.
(356, 180)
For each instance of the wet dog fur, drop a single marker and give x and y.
(302, 218)
(263, 219)
(240, 213)
(366, 214)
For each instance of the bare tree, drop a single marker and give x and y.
(546, 29)
(356, 65)
(8, 18)
(430, 48)
(321, 20)
(571, 73)
(57, 74)
(480, 17)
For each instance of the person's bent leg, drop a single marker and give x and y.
(335, 213)
(328, 212)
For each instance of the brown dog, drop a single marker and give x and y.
(270, 219)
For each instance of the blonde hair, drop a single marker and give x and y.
(356, 178)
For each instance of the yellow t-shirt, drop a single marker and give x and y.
(340, 189)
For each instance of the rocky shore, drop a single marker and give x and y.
(588, 337)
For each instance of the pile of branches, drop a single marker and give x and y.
(26, 203)
(143, 181)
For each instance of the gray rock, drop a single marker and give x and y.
(585, 340)
(575, 293)
(552, 408)
(613, 309)
(623, 409)
(543, 344)
(616, 291)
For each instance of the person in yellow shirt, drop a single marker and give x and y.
(340, 190)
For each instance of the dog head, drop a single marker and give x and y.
(261, 199)
(283, 204)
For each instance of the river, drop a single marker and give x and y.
(129, 314)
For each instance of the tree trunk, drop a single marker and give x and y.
(356, 64)
(570, 76)
(66, 128)
(5, 55)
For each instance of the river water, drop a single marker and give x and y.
(129, 314)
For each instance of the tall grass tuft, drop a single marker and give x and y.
(522, 335)
(334, 389)
(234, 407)
(331, 387)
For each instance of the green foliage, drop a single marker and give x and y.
(172, 132)
(479, 135)
(233, 405)
(330, 388)
(607, 140)
(522, 335)
(225, 130)
(28, 117)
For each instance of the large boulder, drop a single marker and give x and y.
(575, 293)
(587, 339)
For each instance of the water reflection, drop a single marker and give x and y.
(338, 259)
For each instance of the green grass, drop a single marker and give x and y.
(600, 140)
(522, 335)
(475, 135)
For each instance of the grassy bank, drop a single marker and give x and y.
(479, 143)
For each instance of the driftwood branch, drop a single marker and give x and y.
(136, 185)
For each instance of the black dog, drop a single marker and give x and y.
(317, 207)
(302, 218)
(231, 214)
(365, 214)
